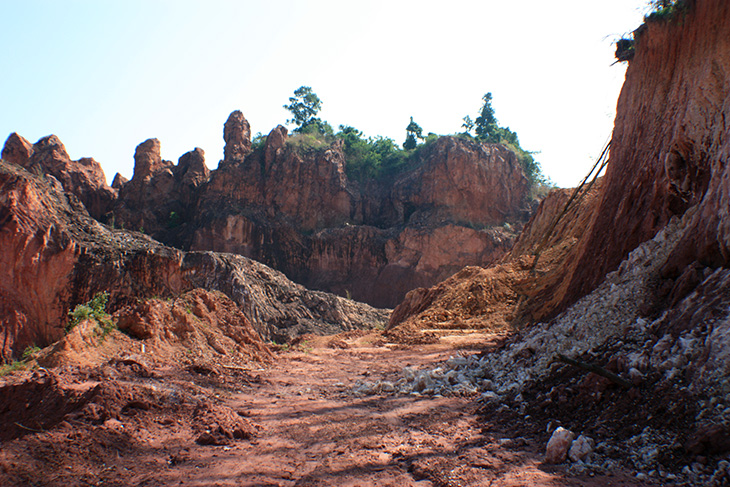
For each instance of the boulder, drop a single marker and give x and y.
(580, 448)
(558, 445)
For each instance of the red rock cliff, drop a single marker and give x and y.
(294, 208)
(669, 149)
(298, 212)
(53, 255)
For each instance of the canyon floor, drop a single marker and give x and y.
(296, 422)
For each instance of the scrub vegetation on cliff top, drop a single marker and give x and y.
(660, 11)
(665, 9)
(377, 157)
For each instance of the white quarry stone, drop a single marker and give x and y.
(580, 448)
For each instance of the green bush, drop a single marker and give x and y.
(30, 352)
(259, 141)
(95, 309)
(371, 157)
(174, 220)
(310, 139)
(12, 367)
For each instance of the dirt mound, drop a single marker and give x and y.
(72, 422)
(199, 327)
(46, 403)
(473, 298)
(516, 291)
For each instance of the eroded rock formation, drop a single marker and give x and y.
(56, 256)
(83, 178)
(294, 208)
(298, 212)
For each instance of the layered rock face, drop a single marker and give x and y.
(293, 207)
(296, 210)
(56, 256)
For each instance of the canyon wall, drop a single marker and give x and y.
(295, 209)
(55, 256)
(668, 161)
(669, 149)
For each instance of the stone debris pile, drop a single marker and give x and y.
(603, 314)
(686, 349)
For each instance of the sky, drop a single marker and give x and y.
(105, 76)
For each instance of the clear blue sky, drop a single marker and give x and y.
(107, 75)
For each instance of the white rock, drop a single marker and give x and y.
(636, 376)
(422, 382)
(580, 448)
(557, 447)
(490, 396)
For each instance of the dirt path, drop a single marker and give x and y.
(311, 430)
(314, 431)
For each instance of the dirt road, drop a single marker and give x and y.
(311, 429)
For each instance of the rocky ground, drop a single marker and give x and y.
(299, 420)
(662, 410)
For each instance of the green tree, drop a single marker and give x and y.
(468, 125)
(304, 107)
(485, 125)
(413, 132)
(487, 129)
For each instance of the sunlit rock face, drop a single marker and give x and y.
(294, 208)
(83, 178)
(297, 211)
(669, 150)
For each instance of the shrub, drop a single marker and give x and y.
(308, 142)
(95, 309)
(665, 10)
(625, 49)
(174, 220)
(258, 142)
(375, 157)
(12, 367)
(30, 352)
